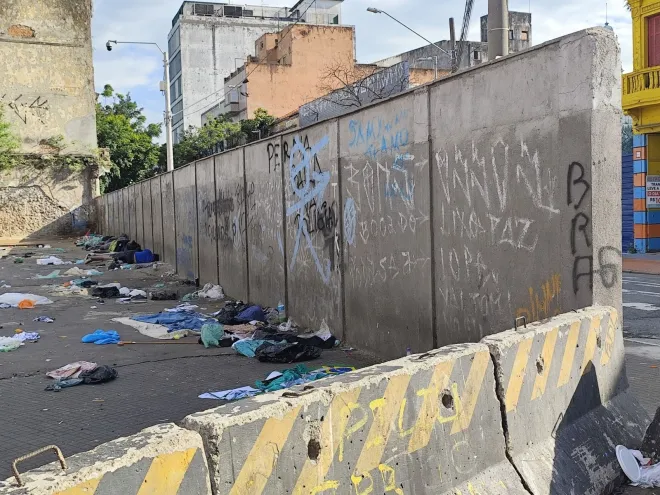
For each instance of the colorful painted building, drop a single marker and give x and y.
(641, 100)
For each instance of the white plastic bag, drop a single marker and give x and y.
(13, 298)
(8, 344)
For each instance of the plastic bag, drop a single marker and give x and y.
(13, 298)
(26, 304)
(98, 375)
(286, 353)
(101, 337)
(7, 344)
(212, 333)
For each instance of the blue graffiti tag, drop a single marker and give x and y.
(312, 186)
(379, 136)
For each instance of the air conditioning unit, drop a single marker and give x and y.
(203, 9)
(233, 11)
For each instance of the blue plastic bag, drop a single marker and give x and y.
(102, 337)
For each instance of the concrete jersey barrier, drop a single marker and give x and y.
(163, 460)
(565, 401)
(427, 424)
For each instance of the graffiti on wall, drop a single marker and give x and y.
(27, 107)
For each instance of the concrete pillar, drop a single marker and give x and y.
(498, 28)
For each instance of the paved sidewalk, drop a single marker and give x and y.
(157, 383)
(642, 263)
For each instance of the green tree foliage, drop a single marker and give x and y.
(216, 136)
(627, 139)
(9, 143)
(122, 128)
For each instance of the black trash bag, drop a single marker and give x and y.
(100, 374)
(276, 336)
(87, 284)
(105, 292)
(164, 295)
(286, 353)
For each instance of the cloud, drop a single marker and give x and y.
(138, 69)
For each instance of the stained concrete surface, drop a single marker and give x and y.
(157, 383)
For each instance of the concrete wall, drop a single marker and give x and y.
(47, 96)
(47, 84)
(435, 217)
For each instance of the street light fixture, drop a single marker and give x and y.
(168, 111)
(374, 10)
(429, 59)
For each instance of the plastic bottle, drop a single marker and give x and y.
(282, 312)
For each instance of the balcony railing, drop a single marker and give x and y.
(642, 80)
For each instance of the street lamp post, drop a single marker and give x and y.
(168, 110)
(374, 10)
(429, 59)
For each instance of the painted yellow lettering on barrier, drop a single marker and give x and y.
(429, 410)
(545, 303)
(389, 479)
(263, 456)
(403, 433)
(357, 481)
(569, 354)
(333, 428)
(518, 374)
(324, 487)
(545, 363)
(166, 473)
(346, 413)
(608, 345)
(381, 428)
(471, 392)
(590, 348)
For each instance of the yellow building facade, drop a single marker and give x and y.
(641, 101)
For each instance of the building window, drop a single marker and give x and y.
(174, 41)
(653, 30)
(524, 35)
(175, 65)
(510, 34)
(477, 55)
(335, 20)
(175, 89)
(262, 45)
(177, 113)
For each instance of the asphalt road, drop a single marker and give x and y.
(641, 328)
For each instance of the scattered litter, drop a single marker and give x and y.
(101, 337)
(180, 320)
(210, 291)
(92, 307)
(105, 291)
(182, 307)
(8, 344)
(51, 260)
(18, 330)
(5, 286)
(14, 298)
(26, 304)
(77, 272)
(101, 374)
(137, 294)
(18, 260)
(638, 468)
(27, 336)
(163, 295)
(212, 333)
(278, 381)
(152, 330)
(232, 394)
(124, 291)
(72, 370)
(159, 286)
(53, 274)
(286, 353)
(248, 347)
(44, 319)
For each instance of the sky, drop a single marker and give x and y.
(138, 69)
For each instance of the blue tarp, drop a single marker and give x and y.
(182, 320)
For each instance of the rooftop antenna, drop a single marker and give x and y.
(607, 24)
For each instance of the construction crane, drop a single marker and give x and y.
(464, 32)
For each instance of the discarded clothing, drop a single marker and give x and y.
(253, 313)
(210, 291)
(104, 291)
(182, 320)
(101, 337)
(27, 336)
(44, 319)
(72, 370)
(182, 308)
(86, 284)
(227, 315)
(212, 334)
(14, 298)
(8, 344)
(51, 260)
(66, 383)
(163, 295)
(232, 394)
(291, 338)
(248, 347)
(152, 330)
(53, 274)
(145, 256)
(286, 353)
(102, 374)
